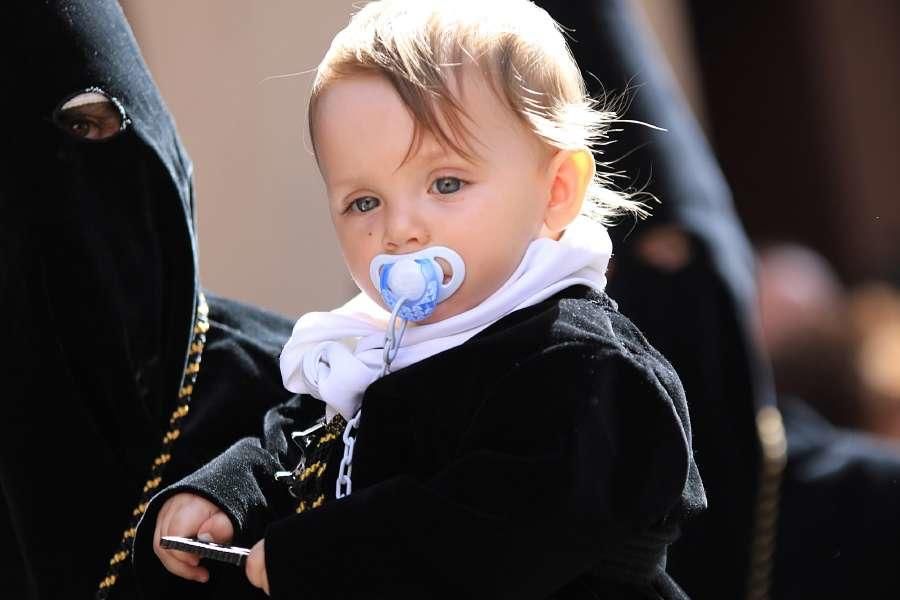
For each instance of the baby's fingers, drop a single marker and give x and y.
(217, 528)
(183, 519)
(175, 562)
(255, 569)
(170, 557)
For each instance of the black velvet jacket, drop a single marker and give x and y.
(548, 456)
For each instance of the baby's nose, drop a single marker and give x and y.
(405, 232)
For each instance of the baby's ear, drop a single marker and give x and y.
(570, 172)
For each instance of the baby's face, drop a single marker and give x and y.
(488, 209)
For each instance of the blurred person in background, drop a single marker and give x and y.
(807, 332)
(835, 349)
(839, 523)
(875, 314)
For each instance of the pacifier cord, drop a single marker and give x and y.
(391, 339)
(344, 485)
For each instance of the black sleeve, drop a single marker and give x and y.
(571, 452)
(15, 581)
(241, 482)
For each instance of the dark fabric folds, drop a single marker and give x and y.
(509, 467)
(700, 314)
(98, 291)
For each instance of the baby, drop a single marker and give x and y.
(480, 422)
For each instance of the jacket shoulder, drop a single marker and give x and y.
(580, 315)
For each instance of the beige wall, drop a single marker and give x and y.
(265, 235)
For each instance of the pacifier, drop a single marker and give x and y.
(417, 279)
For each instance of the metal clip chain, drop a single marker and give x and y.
(303, 440)
(344, 485)
(392, 339)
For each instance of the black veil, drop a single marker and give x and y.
(100, 297)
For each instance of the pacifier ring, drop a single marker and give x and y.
(446, 269)
(425, 278)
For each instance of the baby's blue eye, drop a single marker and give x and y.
(446, 185)
(365, 204)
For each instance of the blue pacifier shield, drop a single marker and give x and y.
(415, 280)
(420, 279)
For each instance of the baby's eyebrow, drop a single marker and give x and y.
(353, 180)
(435, 152)
(427, 155)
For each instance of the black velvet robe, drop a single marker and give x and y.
(548, 456)
(839, 533)
(98, 289)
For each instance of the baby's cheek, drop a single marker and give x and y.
(473, 291)
(360, 275)
(492, 274)
(369, 290)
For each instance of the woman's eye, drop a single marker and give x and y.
(365, 204)
(91, 115)
(446, 185)
(84, 129)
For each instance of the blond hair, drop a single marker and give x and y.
(418, 45)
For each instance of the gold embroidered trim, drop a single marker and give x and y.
(326, 438)
(303, 506)
(312, 476)
(317, 468)
(186, 388)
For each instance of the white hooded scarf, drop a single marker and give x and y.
(334, 356)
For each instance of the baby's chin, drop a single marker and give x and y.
(441, 312)
(452, 306)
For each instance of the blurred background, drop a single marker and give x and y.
(798, 98)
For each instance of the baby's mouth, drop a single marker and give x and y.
(446, 268)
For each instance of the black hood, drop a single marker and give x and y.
(109, 222)
(64, 47)
(98, 269)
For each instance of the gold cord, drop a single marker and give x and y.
(188, 379)
(310, 479)
(773, 442)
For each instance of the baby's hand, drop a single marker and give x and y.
(187, 515)
(256, 566)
